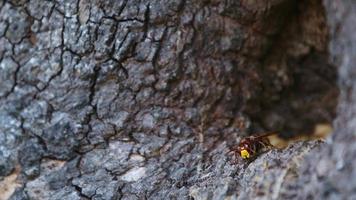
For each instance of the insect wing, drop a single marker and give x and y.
(266, 135)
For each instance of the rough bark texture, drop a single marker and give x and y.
(139, 99)
(332, 168)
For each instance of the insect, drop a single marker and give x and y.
(251, 146)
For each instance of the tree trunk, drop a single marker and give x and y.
(107, 99)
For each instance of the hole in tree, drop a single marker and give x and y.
(298, 86)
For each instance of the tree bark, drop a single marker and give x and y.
(137, 99)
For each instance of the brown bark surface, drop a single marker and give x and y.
(131, 99)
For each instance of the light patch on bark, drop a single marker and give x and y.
(9, 184)
(134, 174)
(52, 165)
(137, 158)
(84, 11)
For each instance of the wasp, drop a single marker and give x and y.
(253, 145)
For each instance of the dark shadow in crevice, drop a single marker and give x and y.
(298, 86)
